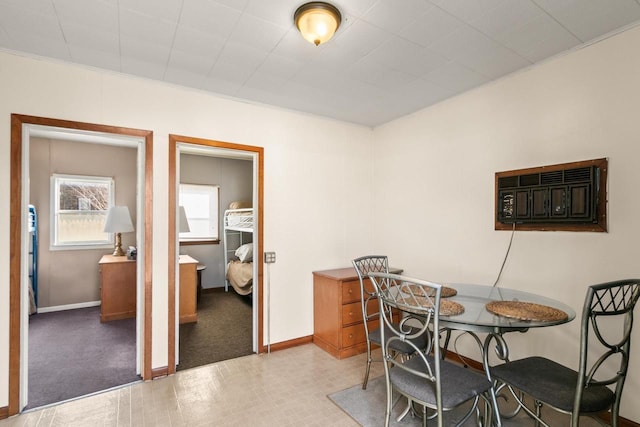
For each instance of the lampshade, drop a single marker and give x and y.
(317, 21)
(118, 220)
(184, 223)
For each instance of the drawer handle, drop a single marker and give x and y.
(351, 314)
(350, 336)
(350, 291)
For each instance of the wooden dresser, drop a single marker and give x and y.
(117, 288)
(337, 314)
(188, 289)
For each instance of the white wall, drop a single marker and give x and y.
(435, 173)
(314, 173)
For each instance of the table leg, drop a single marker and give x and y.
(484, 348)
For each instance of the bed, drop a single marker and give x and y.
(238, 228)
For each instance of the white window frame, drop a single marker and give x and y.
(56, 180)
(213, 191)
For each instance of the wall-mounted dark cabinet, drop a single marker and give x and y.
(569, 196)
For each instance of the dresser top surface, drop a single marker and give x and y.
(347, 273)
(112, 259)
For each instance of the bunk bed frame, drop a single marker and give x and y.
(33, 252)
(237, 223)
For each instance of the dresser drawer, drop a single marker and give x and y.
(350, 291)
(353, 335)
(352, 312)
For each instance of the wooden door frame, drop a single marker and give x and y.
(174, 140)
(15, 227)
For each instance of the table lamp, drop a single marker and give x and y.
(118, 222)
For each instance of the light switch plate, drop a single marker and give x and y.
(269, 257)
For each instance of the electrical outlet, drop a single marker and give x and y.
(269, 257)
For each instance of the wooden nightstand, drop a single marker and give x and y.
(117, 288)
(188, 289)
(337, 312)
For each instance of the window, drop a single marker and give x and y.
(201, 206)
(79, 209)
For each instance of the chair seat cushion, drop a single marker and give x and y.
(552, 383)
(399, 346)
(458, 384)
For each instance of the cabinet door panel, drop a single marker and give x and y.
(522, 204)
(580, 201)
(558, 202)
(539, 203)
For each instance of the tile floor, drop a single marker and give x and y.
(284, 388)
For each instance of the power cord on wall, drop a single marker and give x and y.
(269, 258)
(268, 308)
(506, 255)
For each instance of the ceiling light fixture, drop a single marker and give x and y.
(317, 21)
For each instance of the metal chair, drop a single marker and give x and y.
(596, 387)
(425, 378)
(368, 298)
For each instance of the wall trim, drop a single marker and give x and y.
(15, 236)
(4, 412)
(68, 306)
(163, 371)
(174, 140)
(283, 345)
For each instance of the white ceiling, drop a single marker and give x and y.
(389, 57)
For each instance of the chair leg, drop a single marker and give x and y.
(538, 405)
(368, 368)
(387, 416)
(447, 338)
(424, 416)
(366, 374)
(405, 411)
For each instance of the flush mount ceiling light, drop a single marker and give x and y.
(317, 21)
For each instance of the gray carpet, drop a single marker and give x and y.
(223, 330)
(367, 408)
(72, 354)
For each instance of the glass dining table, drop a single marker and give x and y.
(493, 311)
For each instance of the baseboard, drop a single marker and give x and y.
(159, 372)
(4, 412)
(474, 364)
(283, 345)
(68, 306)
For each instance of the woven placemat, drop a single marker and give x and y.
(525, 311)
(417, 290)
(447, 307)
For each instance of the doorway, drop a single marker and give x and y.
(23, 128)
(196, 146)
